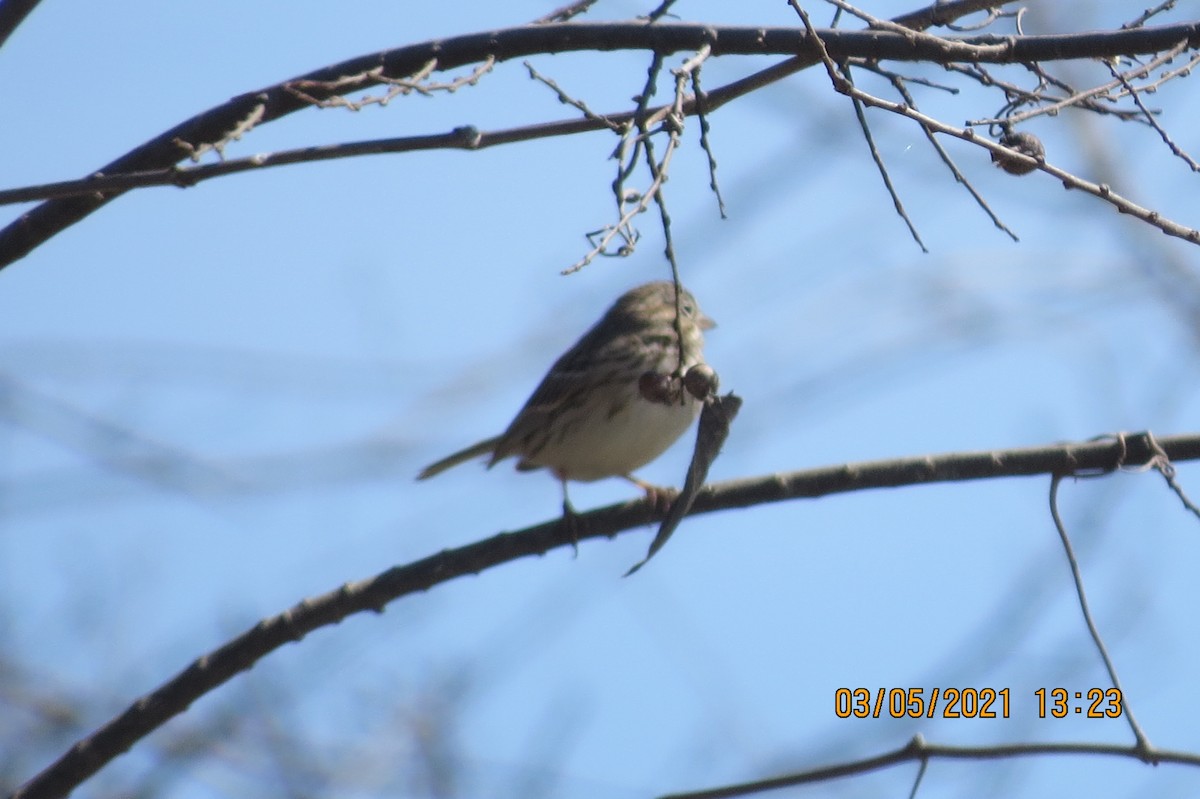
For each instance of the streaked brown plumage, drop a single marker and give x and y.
(588, 418)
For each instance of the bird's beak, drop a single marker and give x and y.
(705, 322)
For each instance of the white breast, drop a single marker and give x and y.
(596, 444)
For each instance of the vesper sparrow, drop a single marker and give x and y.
(614, 401)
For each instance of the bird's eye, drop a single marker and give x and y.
(688, 310)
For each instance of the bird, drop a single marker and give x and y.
(611, 403)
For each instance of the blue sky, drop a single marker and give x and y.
(217, 399)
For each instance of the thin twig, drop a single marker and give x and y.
(872, 22)
(918, 750)
(332, 90)
(1069, 181)
(565, 13)
(610, 232)
(635, 134)
(844, 84)
(912, 794)
(567, 99)
(949, 162)
(1162, 464)
(244, 126)
(1142, 742)
(1145, 16)
(417, 83)
(641, 123)
(1170, 74)
(1083, 97)
(702, 117)
(659, 172)
(989, 18)
(860, 113)
(872, 66)
(663, 9)
(1136, 96)
(462, 138)
(914, 36)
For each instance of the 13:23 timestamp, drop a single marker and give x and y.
(1096, 703)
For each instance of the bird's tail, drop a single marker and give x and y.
(474, 451)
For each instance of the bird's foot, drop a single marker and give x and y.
(572, 525)
(659, 497)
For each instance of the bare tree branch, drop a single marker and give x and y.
(1166, 137)
(917, 750)
(149, 712)
(899, 83)
(1084, 98)
(1100, 190)
(12, 14)
(215, 126)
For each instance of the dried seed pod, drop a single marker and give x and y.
(658, 388)
(1026, 144)
(701, 381)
